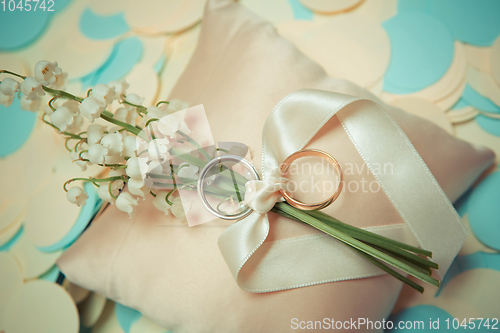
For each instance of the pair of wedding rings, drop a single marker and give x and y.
(284, 167)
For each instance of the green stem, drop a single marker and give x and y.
(305, 218)
(196, 144)
(12, 73)
(93, 180)
(364, 235)
(128, 127)
(139, 107)
(374, 261)
(71, 135)
(62, 93)
(162, 102)
(52, 100)
(111, 192)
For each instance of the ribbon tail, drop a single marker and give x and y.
(238, 242)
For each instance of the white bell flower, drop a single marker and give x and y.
(129, 145)
(74, 154)
(31, 105)
(136, 167)
(176, 105)
(154, 112)
(45, 71)
(74, 106)
(120, 88)
(134, 99)
(103, 94)
(114, 143)
(9, 87)
(62, 117)
(136, 187)
(177, 208)
(77, 196)
(126, 115)
(59, 81)
(76, 126)
(91, 108)
(31, 88)
(96, 153)
(160, 203)
(126, 203)
(173, 123)
(103, 190)
(188, 171)
(158, 149)
(6, 100)
(95, 132)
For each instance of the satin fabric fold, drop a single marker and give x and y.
(412, 189)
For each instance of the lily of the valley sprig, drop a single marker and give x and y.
(140, 148)
(111, 143)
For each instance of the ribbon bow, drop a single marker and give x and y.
(261, 195)
(300, 261)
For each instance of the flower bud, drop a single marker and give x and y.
(179, 209)
(103, 190)
(136, 167)
(6, 100)
(176, 105)
(126, 115)
(103, 94)
(31, 105)
(160, 203)
(45, 71)
(114, 143)
(91, 108)
(158, 149)
(59, 81)
(77, 196)
(31, 88)
(76, 125)
(173, 123)
(120, 88)
(188, 171)
(135, 186)
(96, 153)
(62, 117)
(9, 87)
(76, 159)
(134, 99)
(126, 203)
(129, 145)
(95, 132)
(154, 112)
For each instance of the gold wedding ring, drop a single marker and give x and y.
(312, 153)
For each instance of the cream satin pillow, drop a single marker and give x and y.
(176, 275)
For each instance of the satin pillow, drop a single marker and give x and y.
(176, 275)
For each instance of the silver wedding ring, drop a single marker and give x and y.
(201, 184)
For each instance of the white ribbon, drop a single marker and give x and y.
(315, 259)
